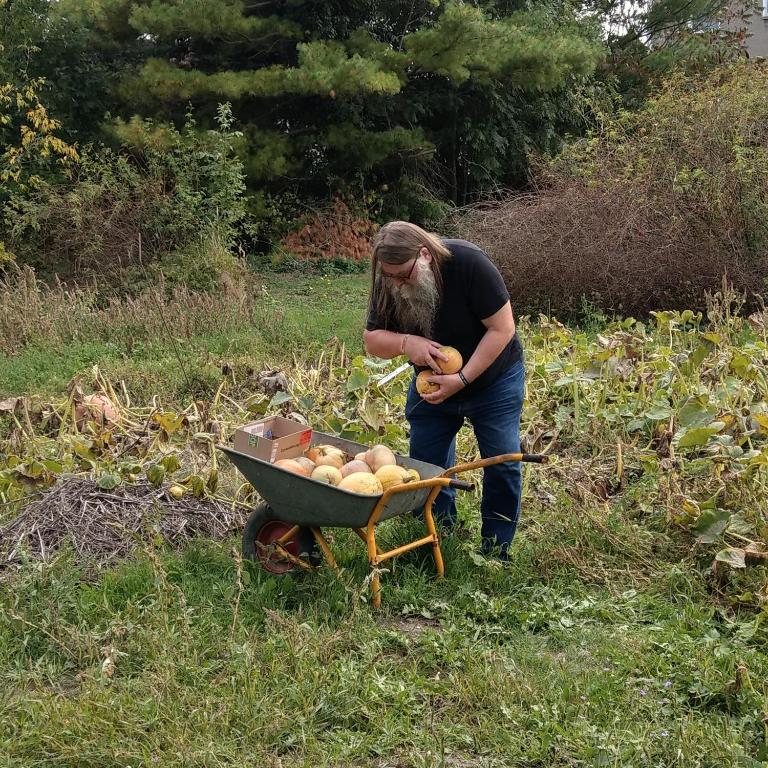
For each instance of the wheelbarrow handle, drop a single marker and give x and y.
(462, 485)
(535, 458)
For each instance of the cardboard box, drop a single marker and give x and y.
(273, 438)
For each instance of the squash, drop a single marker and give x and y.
(306, 463)
(327, 474)
(363, 483)
(390, 475)
(424, 387)
(379, 456)
(98, 409)
(354, 466)
(292, 466)
(326, 454)
(454, 362)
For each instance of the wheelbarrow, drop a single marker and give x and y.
(281, 533)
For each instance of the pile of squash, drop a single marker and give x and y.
(370, 472)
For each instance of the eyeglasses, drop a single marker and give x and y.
(401, 276)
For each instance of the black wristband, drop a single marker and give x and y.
(463, 378)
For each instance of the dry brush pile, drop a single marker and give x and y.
(650, 211)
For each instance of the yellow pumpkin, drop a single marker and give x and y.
(390, 475)
(413, 475)
(326, 474)
(362, 482)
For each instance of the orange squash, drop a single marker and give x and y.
(454, 362)
(292, 466)
(424, 387)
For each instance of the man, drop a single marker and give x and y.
(426, 293)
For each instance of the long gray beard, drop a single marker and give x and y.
(415, 305)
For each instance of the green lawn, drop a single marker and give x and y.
(530, 665)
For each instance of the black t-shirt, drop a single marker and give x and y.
(473, 290)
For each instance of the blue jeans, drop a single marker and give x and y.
(495, 417)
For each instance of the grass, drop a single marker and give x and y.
(609, 640)
(292, 315)
(492, 667)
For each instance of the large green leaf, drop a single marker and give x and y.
(697, 436)
(696, 412)
(169, 421)
(658, 412)
(739, 525)
(257, 404)
(371, 415)
(760, 418)
(306, 402)
(741, 365)
(108, 481)
(697, 357)
(171, 462)
(710, 524)
(357, 380)
(155, 473)
(280, 398)
(32, 470)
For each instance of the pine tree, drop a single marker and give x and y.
(329, 91)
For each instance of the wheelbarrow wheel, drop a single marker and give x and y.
(263, 528)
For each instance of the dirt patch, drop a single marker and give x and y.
(414, 626)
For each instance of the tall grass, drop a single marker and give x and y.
(33, 313)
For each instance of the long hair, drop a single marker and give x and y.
(397, 243)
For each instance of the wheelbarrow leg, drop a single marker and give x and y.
(376, 557)
(363, 534)
(373, 559)
(432, 529)
(326, 550)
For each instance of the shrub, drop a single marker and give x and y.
(172, 189)
(651, 211)
(30, 148)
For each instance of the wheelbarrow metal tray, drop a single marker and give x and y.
(300, 500)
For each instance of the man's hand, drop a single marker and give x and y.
(424, 352)
(449, 385)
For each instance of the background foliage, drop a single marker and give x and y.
(217, 131)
